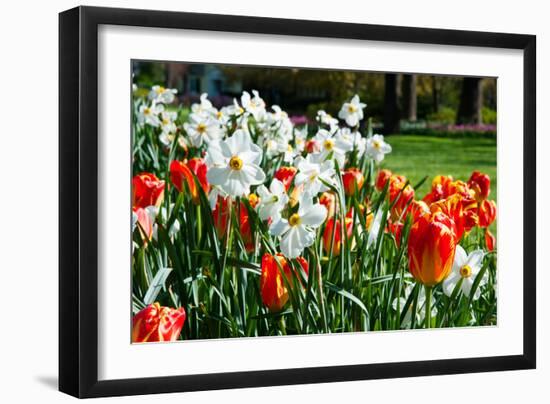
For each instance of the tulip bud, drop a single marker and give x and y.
(481, 185)
(272, 284)
(155, 323)
(402, 195)
(328, 200)
(221, 216)
(147, 190)
(487, 213)
(490, 240)
(180, 173)
(312, 146)
(199, 168)
(332, 235)
(353, 180)
(397, 230)
(286, 175)
(431, 248)
(144, 222)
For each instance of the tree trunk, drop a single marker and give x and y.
(391, 106)
(435, 95)
(409, 97)
(471, 101)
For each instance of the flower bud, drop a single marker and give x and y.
(155, 323)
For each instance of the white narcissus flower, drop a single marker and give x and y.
(149, 114)
(300, 137)
(375, 227)
(327, 119)
(254, 105)
(272, 200)
(298, 231)
(167, 121)
(234, 164)
(357, 141)
(201, 129)
(352, 112)
(312, 173)
(335, 145)
(204, 107)
(465, 267)
(377, 148)
(162, 94)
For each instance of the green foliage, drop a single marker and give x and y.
(444, 115)
(489, 115)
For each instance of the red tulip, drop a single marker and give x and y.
(147, 190)
(334, 227)
(382, 178)
(487, 212)
(272, 285)
(405, 193)
(431, 248)
(181, 172)
(480, 183)
(156, 324)
(221, 217)
(353, 180)
(440, 189)
(286, 175)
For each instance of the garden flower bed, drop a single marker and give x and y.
(245, 225)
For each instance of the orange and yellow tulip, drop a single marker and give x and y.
(333, 227)
(431, 248)
(353, 180)
(182, 172)
(272, 285)
(487, 212)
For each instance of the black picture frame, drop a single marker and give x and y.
(78, 201)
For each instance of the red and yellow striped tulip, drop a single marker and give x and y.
(431, 248)
(147, 190)
(332, 236)
(353, 180)
(480, 183)
(156, 323)
(272, 284)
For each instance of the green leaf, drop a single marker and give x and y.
(156, 285)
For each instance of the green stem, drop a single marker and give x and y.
(428, 306)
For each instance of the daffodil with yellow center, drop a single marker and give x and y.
(466, 268)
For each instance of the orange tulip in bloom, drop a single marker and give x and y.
(286, 175)
(487, 213)
(353, 180)
(147, 190)
(431, 248)
(181, 172)
(462, 210)
(481, 185)
(156, 323)
(272, 285)
(333, 226)
(441, 189)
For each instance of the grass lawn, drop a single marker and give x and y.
(418, 156)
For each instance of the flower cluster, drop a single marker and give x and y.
(244, 186)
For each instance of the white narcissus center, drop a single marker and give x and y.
(294, 220)
(235, 163)
(466, 271)
(201, 128)
(329, 144)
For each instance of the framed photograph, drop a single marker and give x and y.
(250, 201)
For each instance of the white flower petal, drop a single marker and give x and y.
(315, 216)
